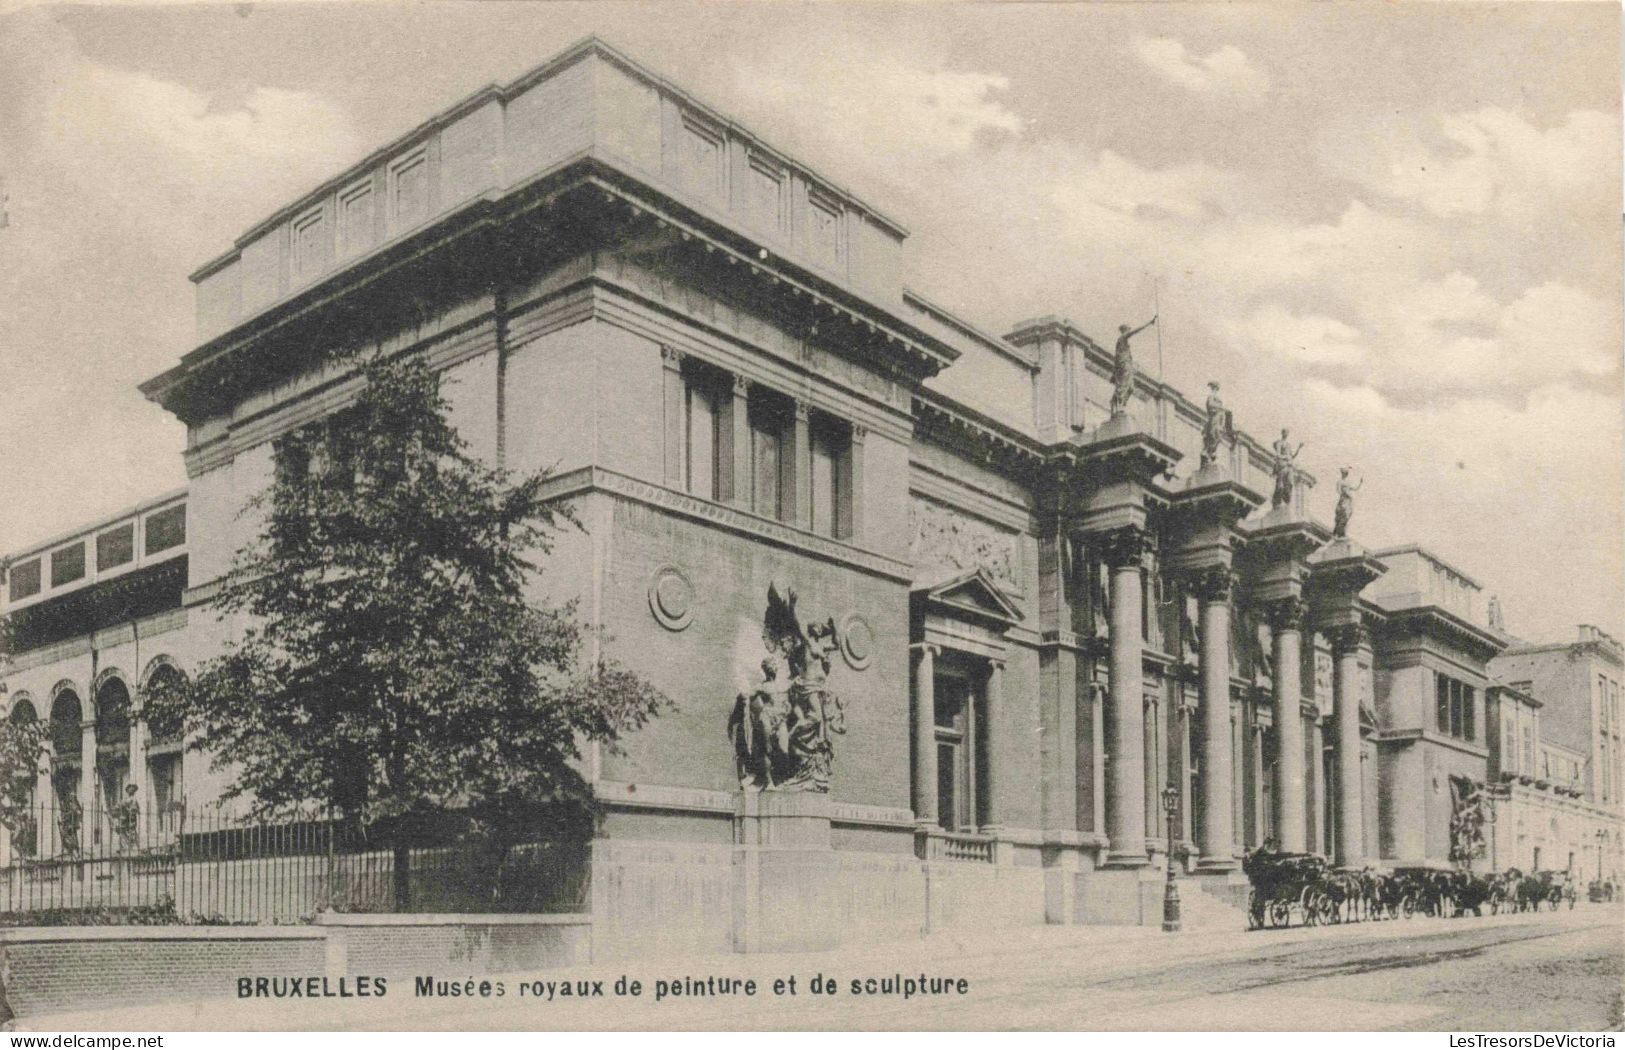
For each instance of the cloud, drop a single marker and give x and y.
(1226, 71)
(1492, 160)
(873, 102)
(1309, 338)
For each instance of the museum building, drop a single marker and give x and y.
(1082, 626)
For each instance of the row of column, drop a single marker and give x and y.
(733, 453)
(1127, 788)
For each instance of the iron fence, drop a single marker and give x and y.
(56, 867)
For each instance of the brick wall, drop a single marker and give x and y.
(457, 946)
(55, 970)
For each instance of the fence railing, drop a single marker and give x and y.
(183, 867)
(956, 846)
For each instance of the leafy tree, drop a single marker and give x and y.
(393, 665)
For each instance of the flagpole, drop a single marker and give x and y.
(1156, 311)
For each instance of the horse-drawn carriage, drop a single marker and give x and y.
(1289, 889)
(1298, 888)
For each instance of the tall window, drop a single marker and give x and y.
(1454, 708)
(955, 691)
(771, 418)
(830, 448)
(703, 414)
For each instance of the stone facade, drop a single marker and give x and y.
(1043, 614)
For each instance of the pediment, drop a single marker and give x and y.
(971, 594)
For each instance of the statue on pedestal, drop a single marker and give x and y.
(782, 730)
(1345, 503)
(1496, 616)
(1123, 370)
(1285, 469)
(1216, 429)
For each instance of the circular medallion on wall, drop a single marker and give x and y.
(671, 597)
(857, 641)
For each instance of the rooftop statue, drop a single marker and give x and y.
(1123, 370)
(1345, 503)
(1217, 428)
(1285, 469)
(782, 730)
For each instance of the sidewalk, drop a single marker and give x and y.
(983, 961)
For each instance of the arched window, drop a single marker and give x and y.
(66, 714)
(113, 717)
(162, 732)
(22, 712)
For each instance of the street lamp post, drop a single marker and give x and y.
(1489, 818)
(1170, 894)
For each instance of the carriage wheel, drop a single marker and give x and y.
(1255, 911)
(1407, 907)
(1280, 913)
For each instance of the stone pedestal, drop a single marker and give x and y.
(785, 889)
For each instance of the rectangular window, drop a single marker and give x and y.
(355, 224)
(829, 446)
(166, 529)
(702, 416)
(1442, 714)
(954, 693)
(25, 579)
(1469, 697)
(67, 564)
(770, 421)
(408, 191)
(1528, 751)
(115, 547)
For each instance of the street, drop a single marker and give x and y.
(1551, 971)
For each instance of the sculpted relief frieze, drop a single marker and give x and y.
(944, 539)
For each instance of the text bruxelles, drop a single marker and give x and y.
(660, 989)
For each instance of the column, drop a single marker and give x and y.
(1314, 775)
(795, 479)
(1098, 698)
(849, 512)
(1255, 763)
(1238, 780)
(925, 735)
(993, 776)
(1346, 644)
(674, 404)
(1216, 842)
(733, 460)
(88, 808)
(1286, 618)
(45, 808)
(139, 777)
(1187, 811)
(1125, 795)
(1156, 825)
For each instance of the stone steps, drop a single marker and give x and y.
(1202, 909)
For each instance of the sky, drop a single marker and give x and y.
(1394, 227)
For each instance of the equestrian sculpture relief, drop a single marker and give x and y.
(782, 730)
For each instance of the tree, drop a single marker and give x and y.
(393, 664)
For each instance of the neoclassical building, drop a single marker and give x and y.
(1046, 611)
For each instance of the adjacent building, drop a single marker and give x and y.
(1047, 611)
